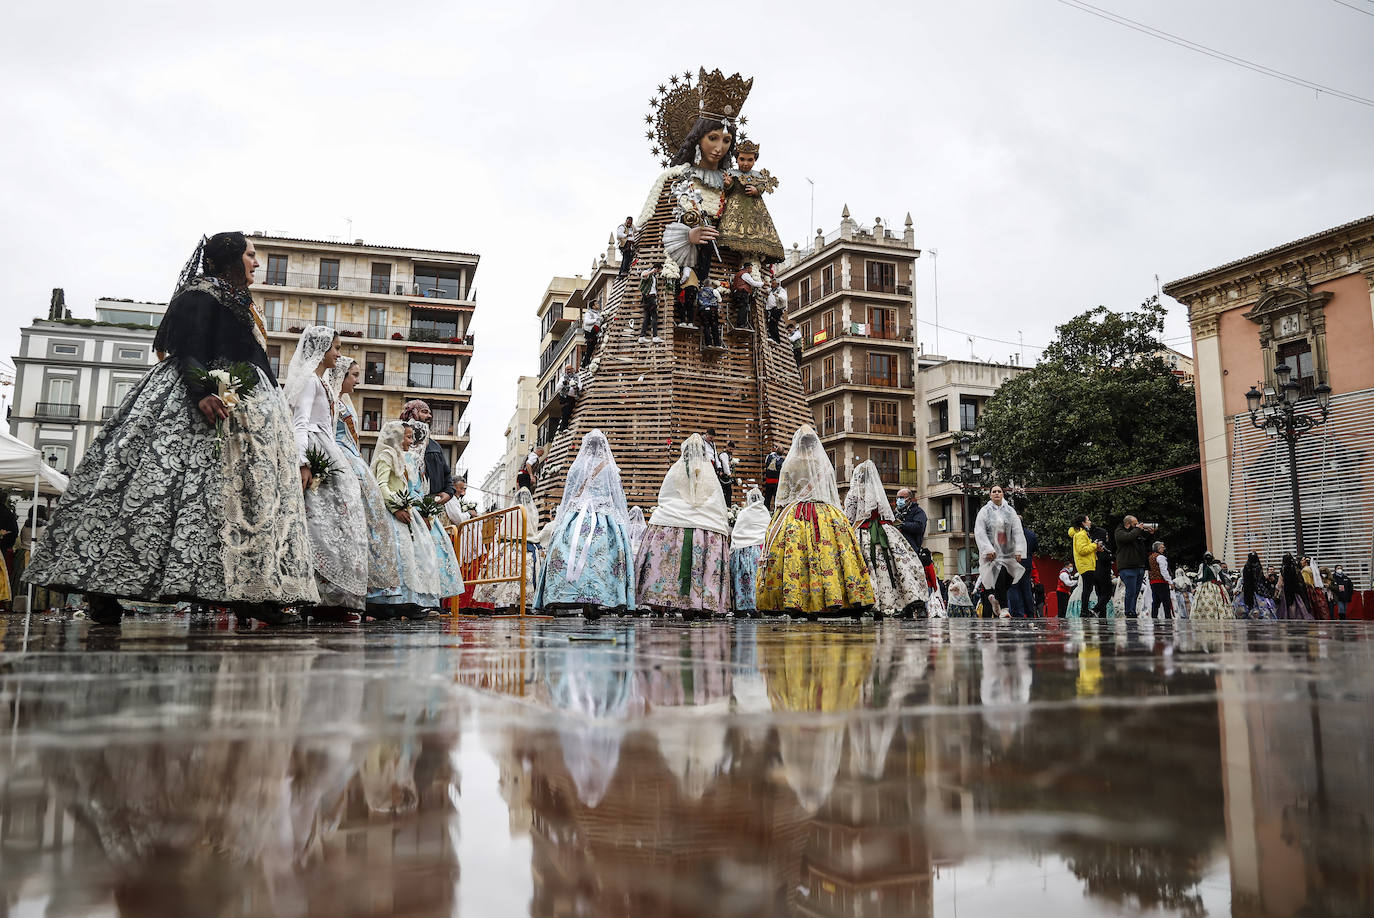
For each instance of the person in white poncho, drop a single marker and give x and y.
(1001, 546)
(746, 547)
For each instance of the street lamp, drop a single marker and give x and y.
(973, 477)
(1274, 410)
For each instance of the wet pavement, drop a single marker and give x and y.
(634, 768)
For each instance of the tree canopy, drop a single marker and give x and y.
(1102, 404)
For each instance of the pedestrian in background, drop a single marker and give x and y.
(1132, 559)
(1343, 590)
(1087, 551)
(1160, 587)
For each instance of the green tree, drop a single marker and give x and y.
(1101, 404)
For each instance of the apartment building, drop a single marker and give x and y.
(952, 394)
(71, 373)
(520, 432)
(404, 314)
(851, 294)
(560, 338)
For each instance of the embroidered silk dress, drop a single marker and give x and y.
(746, 549)
(812, 563)
(160, 509)
(894, 567)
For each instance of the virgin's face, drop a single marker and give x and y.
(331, 356)
(350, 380)
(250, 261)
(713, 147)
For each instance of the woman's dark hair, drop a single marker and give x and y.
(687, 152)
(223, 258)
(1292, 579)
(1080, 521)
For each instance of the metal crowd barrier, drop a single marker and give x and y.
(491, 548)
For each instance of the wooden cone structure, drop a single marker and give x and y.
(750, 393)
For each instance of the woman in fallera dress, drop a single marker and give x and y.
(1209, 600)
(683, 563)
(589, 567)
(1255, 599)
(191, 491)
(383, 576)
(333, 506)
(812, 564)
(1290, 597)
(415, 561)
(894, 567)
(746, 547)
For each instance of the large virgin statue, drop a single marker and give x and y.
(704, 226)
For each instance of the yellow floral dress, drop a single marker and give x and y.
(812, 563)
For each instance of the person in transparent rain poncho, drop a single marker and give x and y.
(683, 563)
(811, 560)
(637, 529)
(746, 548)
(1001, 546)
(333, 501)
(503, 560)
(589, 567)
(383, 576)
(415, 558)
(894, 567)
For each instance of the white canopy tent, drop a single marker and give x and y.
(22, 468)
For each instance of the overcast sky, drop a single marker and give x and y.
(1055, 160)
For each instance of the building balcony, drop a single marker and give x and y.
(939, 428)
(367, 286)
(108, 412)
(551, 353)
(850, 331)
(405, 382)
(866, 427)
(945, 525)
(290, 328)
(819, 292)
(57, 411)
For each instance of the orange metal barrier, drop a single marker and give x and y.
(491, 548)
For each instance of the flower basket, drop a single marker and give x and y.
(296, 329)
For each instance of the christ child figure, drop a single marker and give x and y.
(745, 225)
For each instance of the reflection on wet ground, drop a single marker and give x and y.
(724, 769)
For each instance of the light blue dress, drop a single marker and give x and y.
(596, 547)
(744, 574)
(450, 577)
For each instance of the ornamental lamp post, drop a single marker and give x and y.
(974, 476)
(1274, 410)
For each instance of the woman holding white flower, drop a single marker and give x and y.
(333, 496)
(191, 490)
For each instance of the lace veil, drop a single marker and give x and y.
(594, 482)
(389, 442)
(866, 495)
(752, 522)
(807, 474)
(333, 381)
(525, 501)
(690, 497)
(637, 525)
(314, 343)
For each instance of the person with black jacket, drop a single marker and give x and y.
(1133, 542)
(911, 518)
(1342, 589)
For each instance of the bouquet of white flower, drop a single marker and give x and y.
(231, 385)
(321, 466)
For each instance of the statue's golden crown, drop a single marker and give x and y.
(722, 97)
(746, 146)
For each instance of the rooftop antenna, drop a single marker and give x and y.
(935, 268)
(813, 204)
(350, 229)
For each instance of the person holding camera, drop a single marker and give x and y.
(1132, 558)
